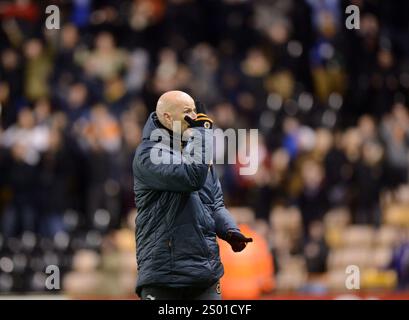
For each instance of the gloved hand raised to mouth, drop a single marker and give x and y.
(202, 120)
(201, 140)
(237, 240)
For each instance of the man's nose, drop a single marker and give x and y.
(193, 115)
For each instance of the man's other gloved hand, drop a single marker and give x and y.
(202, 120)
(237, 240)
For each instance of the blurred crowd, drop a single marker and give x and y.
(331, 106)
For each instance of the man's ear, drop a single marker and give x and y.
(168, 119)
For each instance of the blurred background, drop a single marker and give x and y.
(331, 106)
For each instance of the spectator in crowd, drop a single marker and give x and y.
(316, 249)
(400, 261)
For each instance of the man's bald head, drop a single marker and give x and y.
(174, 106)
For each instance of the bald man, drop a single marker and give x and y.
(180, 205)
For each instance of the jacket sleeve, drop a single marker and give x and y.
(223, 219)
(183, 177)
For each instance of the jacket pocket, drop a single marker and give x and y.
(203, 240)
(160, 252)
(188, 242)
(206, 221)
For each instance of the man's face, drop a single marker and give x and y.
(185, 108)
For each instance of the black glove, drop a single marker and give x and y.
(200, 107)
(237, 240)
(202, 120)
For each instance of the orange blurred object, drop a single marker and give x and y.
(250, 273)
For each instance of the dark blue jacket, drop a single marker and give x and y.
(180, 212)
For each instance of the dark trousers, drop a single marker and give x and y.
(188, 293)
